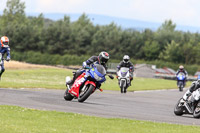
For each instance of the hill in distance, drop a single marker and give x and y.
(123, 22)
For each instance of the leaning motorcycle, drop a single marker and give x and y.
(86, 83)
(189, 106)
(180, 81)
(123, 76)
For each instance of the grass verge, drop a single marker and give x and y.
(15, 119)
(54, 78)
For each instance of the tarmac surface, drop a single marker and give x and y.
(154, 106)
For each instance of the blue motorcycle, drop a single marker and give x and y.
(181, 81)
(85, 84)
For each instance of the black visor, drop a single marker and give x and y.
(103, 60)
(126, 60)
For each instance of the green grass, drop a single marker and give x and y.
(49, 78)
(22, 120)
(52, 78)
(139, 84)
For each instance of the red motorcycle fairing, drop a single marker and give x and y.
(76, 86)
(92, 83)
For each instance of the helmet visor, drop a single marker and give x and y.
(103, 60)
(5, 43)
(125, 60)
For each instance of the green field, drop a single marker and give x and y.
(52, 78)
(22, 120)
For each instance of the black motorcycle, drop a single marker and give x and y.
(189, 106)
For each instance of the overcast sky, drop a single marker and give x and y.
(181, 12)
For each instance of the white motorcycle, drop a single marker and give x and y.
(123, 76)
(189, 106)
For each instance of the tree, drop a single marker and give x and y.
(172, 53)
(14, 12)
(151, 50)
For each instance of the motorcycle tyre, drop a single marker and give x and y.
(122, 85)
(178, 110)
(68, 96)
(196, 114)
(86, 94)
(180, 86)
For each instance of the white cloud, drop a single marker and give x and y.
(61, 6)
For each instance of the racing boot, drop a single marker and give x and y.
(75, 75)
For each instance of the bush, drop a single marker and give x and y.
(48, 59)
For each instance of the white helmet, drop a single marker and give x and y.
(126, 59)
(4, 41)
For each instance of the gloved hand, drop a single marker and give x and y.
(8, 59)
(84, 65)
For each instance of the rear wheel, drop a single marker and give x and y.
(68, 96)
(196, 113)
(179, 108)
(86, 93)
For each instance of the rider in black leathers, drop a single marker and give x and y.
(101, 59)
(181, 69)
(128, 64)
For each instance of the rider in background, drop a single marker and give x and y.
(181, 69)
(126, 63)
(102, 59)
(4, 48)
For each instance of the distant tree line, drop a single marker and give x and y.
(83, 38)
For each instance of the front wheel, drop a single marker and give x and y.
(87, 91)
(122, 86)
(68, 96)
(180, 88)
(178, 109)
(196, 113)
(180, 84)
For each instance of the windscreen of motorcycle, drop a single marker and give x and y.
(100, 69)
(181, 76)
(124, 71)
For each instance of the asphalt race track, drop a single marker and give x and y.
(147, 105)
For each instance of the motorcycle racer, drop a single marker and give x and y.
(4, 48)
(195, 85)
(181, 69)
(101, 59)
(126, 63)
